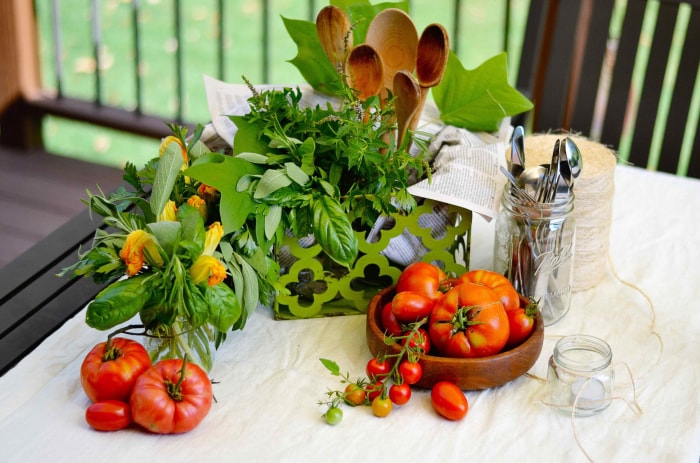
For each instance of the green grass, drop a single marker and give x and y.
(481, 24)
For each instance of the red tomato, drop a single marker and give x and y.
(420, 340)
(108, 415)
(354, 395)
(377, 369)
(469, 321)
(171, 397)
(410, 306)
(374, 390)
(422, 277)
(449, 401)
(497, 282)
(522, 322)
(410, 372)
(400, 394)
(389, 322)
(109, 373)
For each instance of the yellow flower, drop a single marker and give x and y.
(171, 139)
(169, 212)
(139, 247)
(212, 238)
(209, 269)
(207, 192)
(199, 204)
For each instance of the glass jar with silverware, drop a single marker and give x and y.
(536, 230)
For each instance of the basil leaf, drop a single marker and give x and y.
(333, 231)
(224, 308)
(196, 305)
(117, 303)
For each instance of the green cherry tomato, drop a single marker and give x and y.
(381, 406)
(333, 416)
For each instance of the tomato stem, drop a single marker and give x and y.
(175, 389)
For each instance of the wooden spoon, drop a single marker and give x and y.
(433, 52)
(365, 71)
(393, 34)
(407, 92)
(335, 34)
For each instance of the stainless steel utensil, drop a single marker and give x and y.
(517, 152)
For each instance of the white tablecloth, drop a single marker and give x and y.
(269, 378)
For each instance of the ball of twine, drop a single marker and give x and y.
(592, 203)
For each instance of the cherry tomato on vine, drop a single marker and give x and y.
(381, 406)
(410, 372)
(354, 394)
(449, 401)
(377, 369)
(400, 394)
(108, 415)
(333, 416)
(374, 390)
(496, 282)
(171, 397)
(410, 306)
(109, 372)
(389, 322)
(423, 278)
(521, 322)
(420, 340)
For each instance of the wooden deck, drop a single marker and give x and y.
(39, 192)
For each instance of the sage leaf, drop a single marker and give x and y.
(272, 221)
(117, 303)
(167, 234)
(295, 173)
(255, 158)
(333, 231)
(168, 168)
(271, 181)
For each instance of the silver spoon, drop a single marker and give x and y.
(573, 155)
(517, 152)
(531, 179)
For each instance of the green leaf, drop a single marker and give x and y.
(195, 305)
(478, 100)
(271, 181)
(224, 308)
(331, 366)
(249, 287)
(247, 137)
(168, 169)
(192, 225)
(272, 220)
(333, 231)
(223, 174)
(255, 158)
(118, 303)
(167, 235)
(295, 173)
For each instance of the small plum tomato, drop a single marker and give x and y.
(449, 401)
(108, 415)
(381, 406)
(423, 278)
(411, 372)
(389, 322)
(410, 306)
(400, 394)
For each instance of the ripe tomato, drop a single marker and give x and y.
(410, 306)
(495, 281)
(410, 372)
(469, 321)
(521, 322)
(389, 322)
(381, 406)
(420, 340)
(377, 369)
(109, 372)
(423, 278)
(449, 401)
(354, 395)
(400, 394)
(374, 390)
(171, 397)
(108, 415)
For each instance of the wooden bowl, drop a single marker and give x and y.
(468, 374)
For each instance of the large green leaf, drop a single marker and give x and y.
(333, 231)
(118, 303)
(478, 100)
(247, 137)
(168, 167)
(223, 174)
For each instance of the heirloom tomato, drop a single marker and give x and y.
(389, 322)
(400, 394)
(495, 281)
(423, 278)
(410, 306)
(469, 321)
(411, 372)
(449, 401)
(108, 415)
(173, 396)
(522, 322)
(108, 372)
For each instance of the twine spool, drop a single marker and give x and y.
(592, 204)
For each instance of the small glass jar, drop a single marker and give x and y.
(581, 374)
(534, 249)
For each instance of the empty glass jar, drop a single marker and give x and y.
(534, 249)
